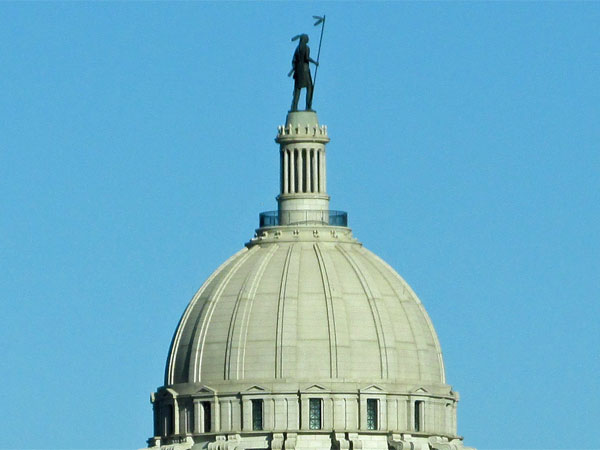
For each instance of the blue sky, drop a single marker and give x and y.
(136, 151)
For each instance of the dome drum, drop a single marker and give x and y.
(367, 413)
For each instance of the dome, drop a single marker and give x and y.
(304, 339)
(311, 306)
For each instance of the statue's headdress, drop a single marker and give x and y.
(302, 37)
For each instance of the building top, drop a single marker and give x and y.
(305, 301)
(304, 339)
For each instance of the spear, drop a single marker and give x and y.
(320, 21)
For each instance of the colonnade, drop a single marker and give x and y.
(302, 170)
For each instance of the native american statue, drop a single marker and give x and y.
(301, 72)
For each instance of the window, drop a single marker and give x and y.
(169, 422)
(156, 420)
(314, 414)
(189, 419)
(418, 415)
(257, 415)
(371, 414)
(207, 418)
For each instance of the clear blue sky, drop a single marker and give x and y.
(136, 151)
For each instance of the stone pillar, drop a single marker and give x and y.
(225, 413)
(176, 426)
(327, 413)
(215, 416)
(198, 417)
(300, 174)
(292, 171)
(247, 415)
(315, 180)
(339, 414)
(362, 411)
(285, 187)
(323, 178)
(304, 419)
(392, 414)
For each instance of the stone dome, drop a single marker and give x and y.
(311, 306)
(304, 339)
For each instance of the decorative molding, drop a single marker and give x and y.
(206, 390)
(315, 388)
(419, 390)
(372, 388)
(253, 389)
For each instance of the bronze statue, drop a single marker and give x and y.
(301, 71)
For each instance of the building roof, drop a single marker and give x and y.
(305, 305)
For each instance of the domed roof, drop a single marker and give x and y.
(305, 304)
(304, 339)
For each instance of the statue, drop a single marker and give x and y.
(301, 71)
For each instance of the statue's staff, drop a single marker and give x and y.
(320, 20)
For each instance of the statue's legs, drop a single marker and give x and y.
(295, 99)
(309, 94)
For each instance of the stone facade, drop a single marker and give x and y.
(304, 339)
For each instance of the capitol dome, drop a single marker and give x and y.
(309, 308)
(304, 339)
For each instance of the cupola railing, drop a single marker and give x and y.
(303, 217)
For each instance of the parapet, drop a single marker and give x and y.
(298, 132)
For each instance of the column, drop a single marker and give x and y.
(215, 415)
(313, 160)
(292, 171)
(247, 415)
(198, 417)
(176, 424)
(300, 174)
(285, 172)
(323, 181)
(304, 414)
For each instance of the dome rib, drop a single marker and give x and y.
(372, 300)
(234, 354)
(175, 343)
(391, 272)
(342, 331)
(210, 305)
(333, 357)
(281, 312)
(248, 310)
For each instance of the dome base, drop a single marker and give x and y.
(312, 440)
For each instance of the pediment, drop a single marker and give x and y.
(255, 388)
(419, 390)
(315, 388)
(373, 388)
(206, 390)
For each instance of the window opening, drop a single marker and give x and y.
(371, 414)
(207, 418)
(418, 415)
(156, 420)
(257, 415)
(189, 425)
(169, 425)
(314, 414)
